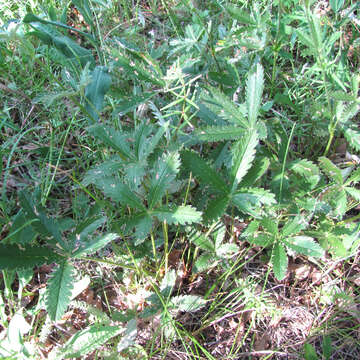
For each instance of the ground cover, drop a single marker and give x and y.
(180, 179)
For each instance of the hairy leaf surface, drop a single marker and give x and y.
(279, 260)
(59, 290)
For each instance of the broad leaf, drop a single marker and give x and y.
(226, 250)
(279, 260)
(203, 171)
(241, 15)
(88, 226)
(96, 90)
(204, 262)
(14, 257)
(250, 200)
(305, 245)
(59, 290)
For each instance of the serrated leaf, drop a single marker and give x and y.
(354, 177)
(342, 96)
(204, 262)
(226, 250)
(14, 257)
(279, 260)
(187, 303)
(215, 208)
(305, 245)
(355, 193)
(335, 246)
(139, 71)
(165, 172)
(119, 192)
(339, 201)
(112, 138)
(240, 15)
(59, 290)
(217, 133)
(332, 171)
(129, 337)
(45, 226)
(225, 108)
(243, 156)
(88, 340)
(126, 105)
(96, 90)
(203, 171)
(107, 168)
(270, 225)
(21, 231)
(254, 90)
(179, 215)
(353, 137)
(294, 225)
(91, 246)
(142, 223)
(88, 227)
(203, 242)
(258, 169)
(303, 167)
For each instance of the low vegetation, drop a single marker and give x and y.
(180, 179)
